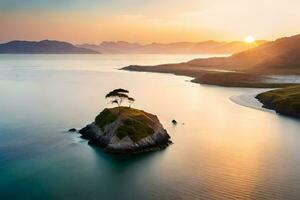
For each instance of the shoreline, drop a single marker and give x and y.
(215, 76)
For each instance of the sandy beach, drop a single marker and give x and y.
(248, 100)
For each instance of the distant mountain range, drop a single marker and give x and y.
(42, 47)
(60, 47)
(207, 47)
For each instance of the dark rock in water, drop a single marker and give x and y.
(174, 122)
(72, 130)
(126, 130)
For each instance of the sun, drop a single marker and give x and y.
(249, 39)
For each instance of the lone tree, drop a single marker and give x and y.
(118, 96)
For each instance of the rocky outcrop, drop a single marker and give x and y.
(126, 130)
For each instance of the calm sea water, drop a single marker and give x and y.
(221, 150)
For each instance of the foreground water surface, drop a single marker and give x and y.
(221, 150)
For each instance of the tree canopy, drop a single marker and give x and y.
(117, 92)
(118, 96)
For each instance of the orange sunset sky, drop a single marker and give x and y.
(93, 21)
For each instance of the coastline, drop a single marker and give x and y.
(214, 76)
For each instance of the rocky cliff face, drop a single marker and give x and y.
(126, 130)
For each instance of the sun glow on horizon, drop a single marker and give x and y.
(249, 39)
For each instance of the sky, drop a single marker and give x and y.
(146, 21)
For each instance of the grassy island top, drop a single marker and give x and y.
(135, 123)
(285, 100)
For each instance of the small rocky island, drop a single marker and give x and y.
(124, 129)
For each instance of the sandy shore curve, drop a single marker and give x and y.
(248, 100)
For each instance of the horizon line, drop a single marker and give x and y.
(130, 42)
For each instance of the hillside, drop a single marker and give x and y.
(250, 68)
(280, 56)
(42, 47)
(207, 47)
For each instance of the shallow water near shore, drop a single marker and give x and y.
(221, 150)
